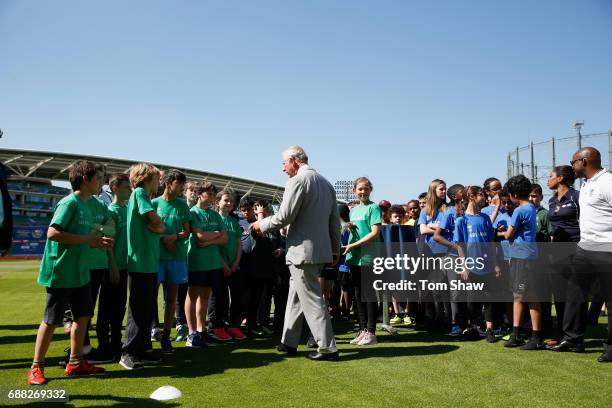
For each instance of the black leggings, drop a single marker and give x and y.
(367, 311)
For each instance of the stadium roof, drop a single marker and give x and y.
(54, 166)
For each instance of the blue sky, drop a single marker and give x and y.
(400, 91)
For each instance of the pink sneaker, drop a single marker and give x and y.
(368, 339)
(236, 333)
(359, 336)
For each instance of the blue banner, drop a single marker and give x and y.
(29, 241)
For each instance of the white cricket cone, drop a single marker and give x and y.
(167, 392)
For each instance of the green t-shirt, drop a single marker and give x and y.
(173, 214)
(234, 234)
(67, 266)
(208, 257)
(98, 258)
(543, 226)
(363, 216)
(119, 214)
(143, 244)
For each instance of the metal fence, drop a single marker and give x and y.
(536, 160)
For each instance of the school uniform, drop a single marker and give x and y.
(204, 263)
(142, 266)
(436, 311)
(363, 216)
(476, 232)
(524, 253)
(64, 270)
(98, 258)
(113, 297)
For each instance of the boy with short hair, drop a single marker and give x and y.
(99, 268)
(543, 225)
(396, 214)
(113, 293)
(174, 213)
(413, 210)
(144, 227)
(523, 255)
(64, 271)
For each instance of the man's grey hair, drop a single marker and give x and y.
(297, 153)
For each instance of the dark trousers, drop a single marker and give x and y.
(259, 289)
(180, 304)
(111, 311)
(218, 301)
(476, 300)
(97, 277)
(239, 297)
(589, 266)
(155, 322)
(367, 312)
(140, 311)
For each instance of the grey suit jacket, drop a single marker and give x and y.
(309, 208)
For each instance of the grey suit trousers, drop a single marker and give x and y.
(305, 301)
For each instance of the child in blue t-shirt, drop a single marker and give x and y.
(523, 254)
(473, 237)
(444, 236)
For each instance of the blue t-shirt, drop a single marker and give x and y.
(447, 225)
(523, 244)
(435, 248)
(504, 219)
(342, 266)
(490, 208)
(476, 232)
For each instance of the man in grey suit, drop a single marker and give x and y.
(310, 210)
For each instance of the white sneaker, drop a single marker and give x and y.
(359, 336)
(368, 339)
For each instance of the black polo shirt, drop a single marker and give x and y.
(564, 215)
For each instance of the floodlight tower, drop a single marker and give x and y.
(578, 126)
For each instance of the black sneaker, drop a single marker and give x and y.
(533, 344)
(149, 357)
(129, 362)
(257, 331)
(208, 340)
(513, 342)
(490, 336)
(99, 356)
(66, 359)
(166, 345)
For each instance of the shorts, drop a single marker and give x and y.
(172, 272)
(344, 279)
(207, 279)
(59, 299)
(523, 280)
(330, 274)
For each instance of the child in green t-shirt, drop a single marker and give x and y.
(113, 292)
(204, 266)
(64, 271)
(144, 228)
(543, 226)
(231, 253)
(364, 227)
(174, 213)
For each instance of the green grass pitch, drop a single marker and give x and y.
(414, 369)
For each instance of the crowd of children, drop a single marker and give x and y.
(220, 280)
